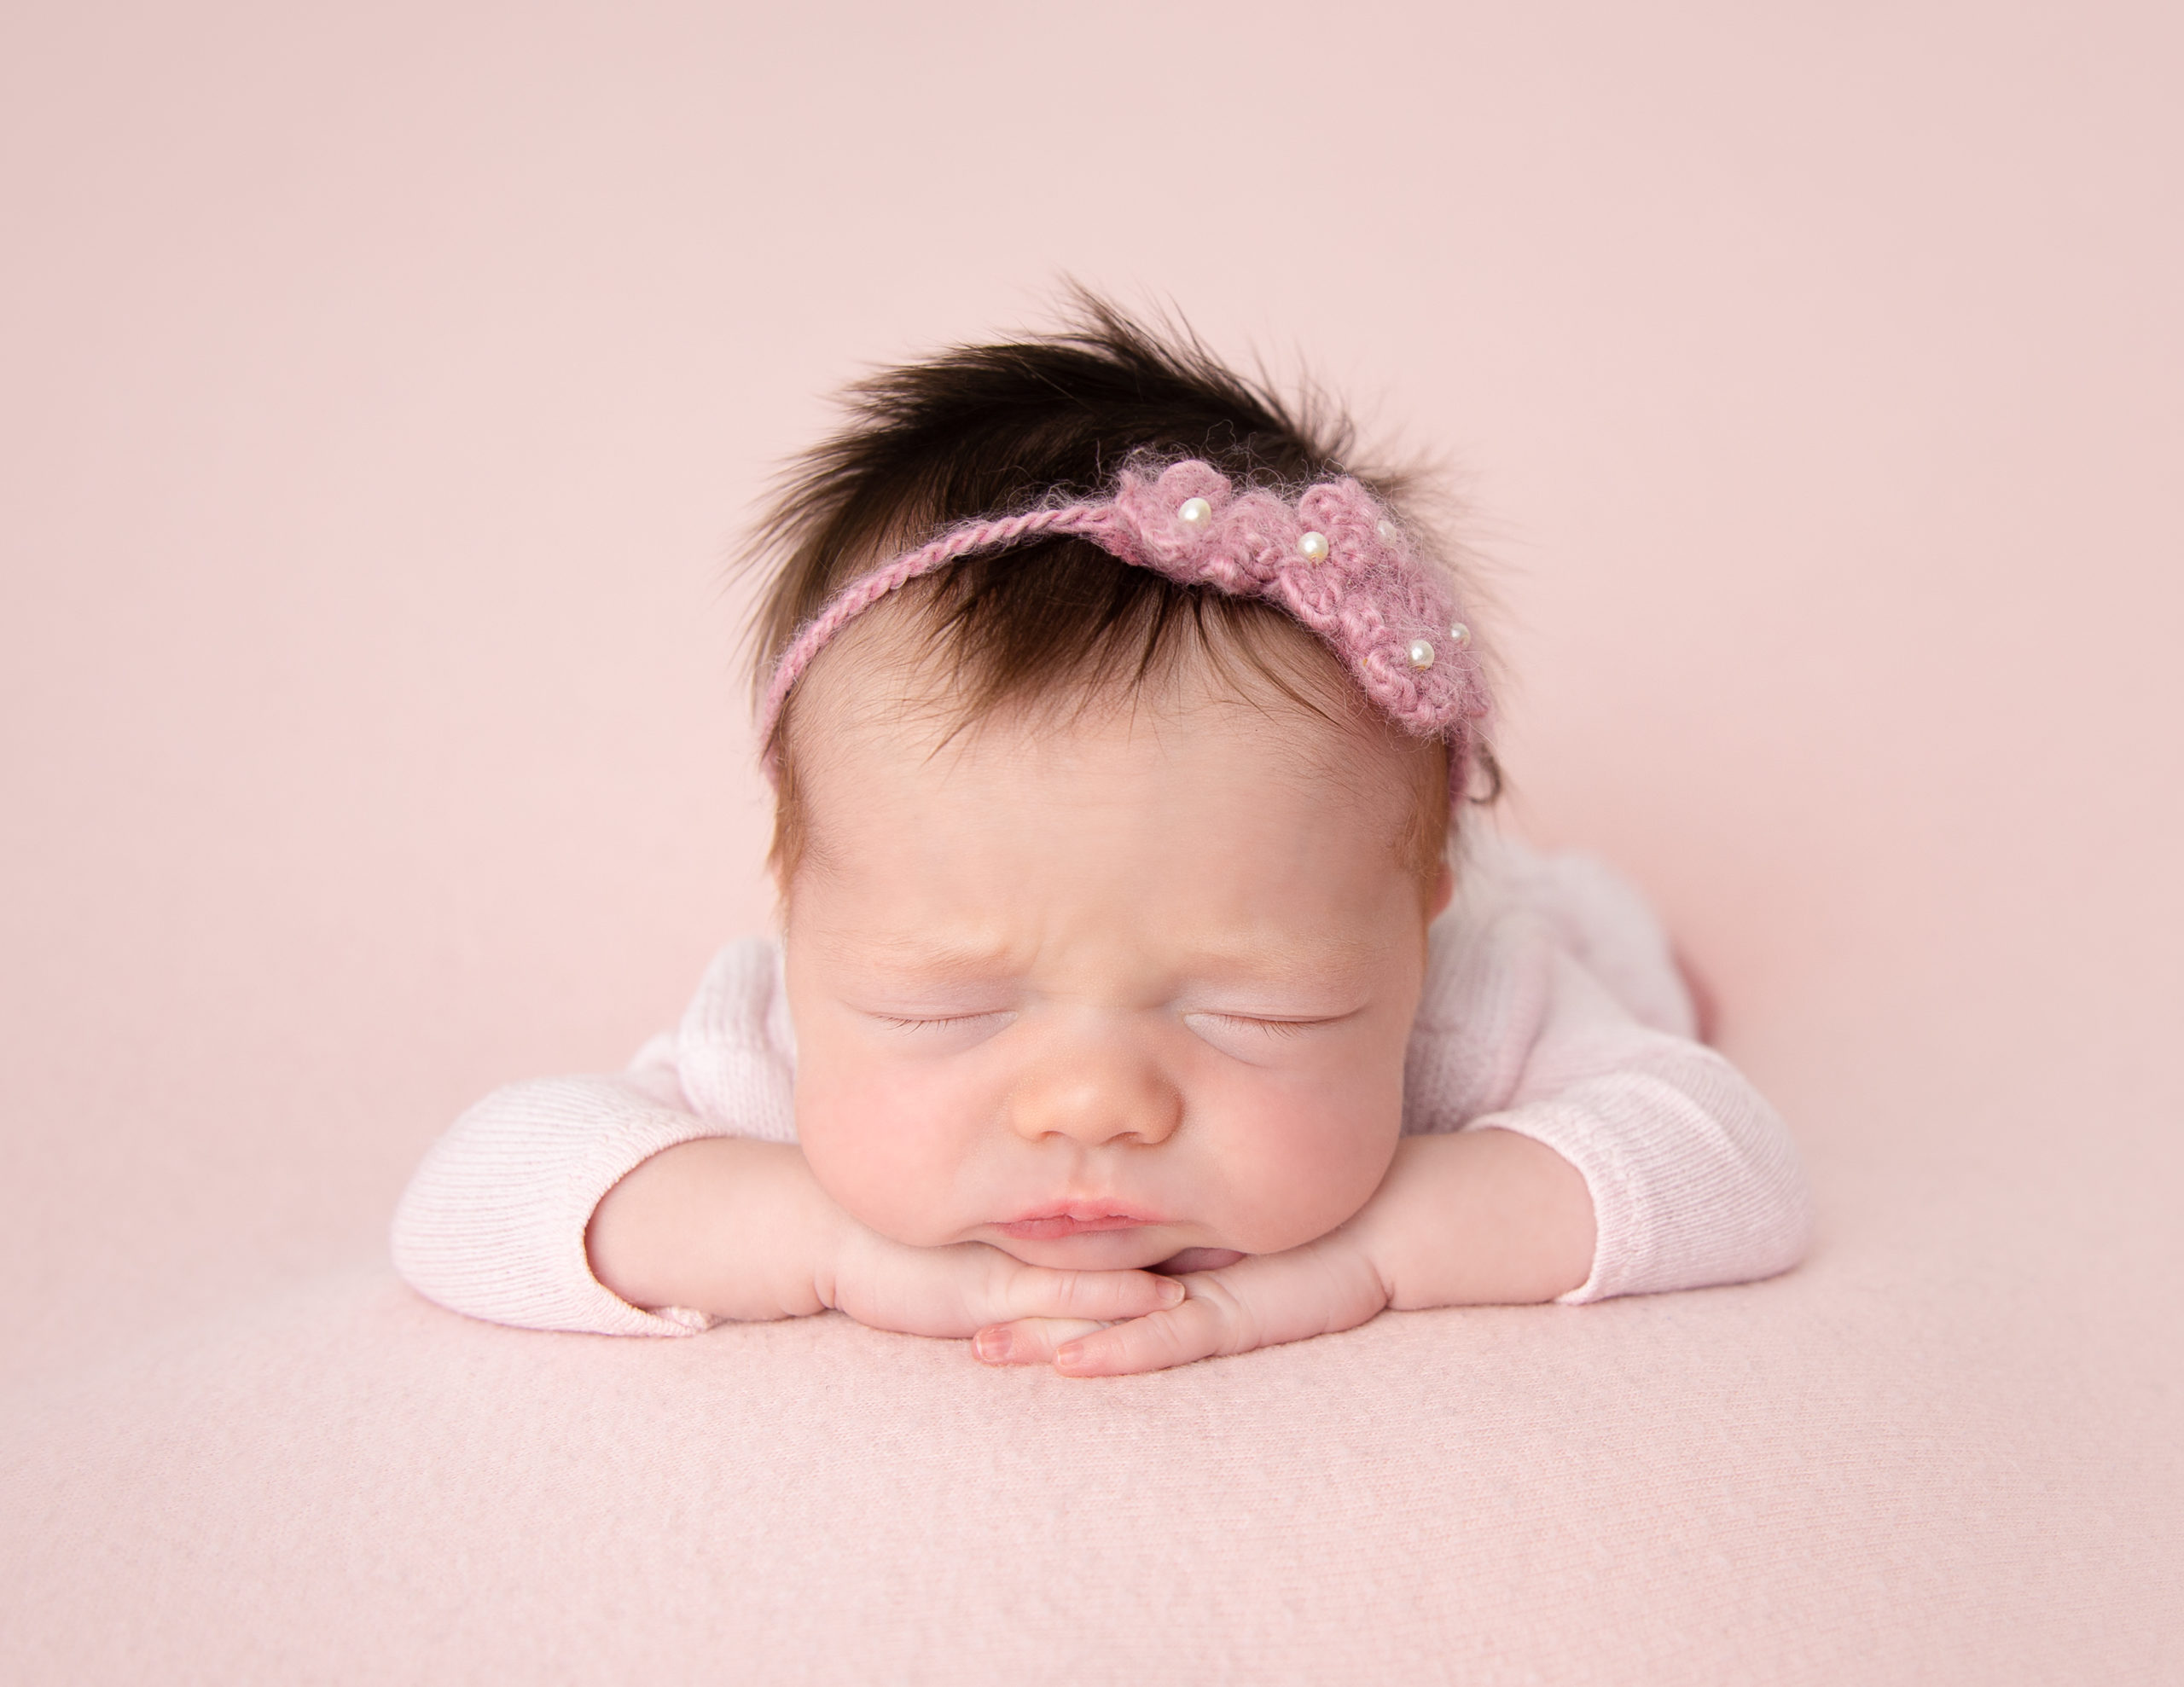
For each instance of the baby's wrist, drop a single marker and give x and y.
(729, 1226)
(1390, 1228)
(821, 1240)
(1483, 1216)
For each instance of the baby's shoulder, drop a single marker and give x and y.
(733, 1052)
(1522, 924)
(1518, 908)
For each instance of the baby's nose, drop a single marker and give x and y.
(1097, 1102)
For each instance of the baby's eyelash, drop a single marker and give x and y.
(905, 1023)
(1277, 1028)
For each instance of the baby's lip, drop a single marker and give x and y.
(1075, 1218)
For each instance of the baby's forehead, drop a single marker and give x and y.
(885, 762)
(895, 767)
(1198, 753)
(888, 674)
(1138, 855)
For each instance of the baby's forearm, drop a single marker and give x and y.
(725, 1225)
(1478, 1218)
(741, 1230)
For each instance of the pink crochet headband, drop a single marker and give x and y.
(1334, 560)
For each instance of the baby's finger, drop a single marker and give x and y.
(1259, 1301)
(1196, 1329)
(1101, 1296)
(1029, 1341)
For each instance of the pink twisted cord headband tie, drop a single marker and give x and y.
(1334, 561)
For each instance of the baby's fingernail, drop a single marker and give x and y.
(1069, 1356)
(1172, 1293)
(991, 1345)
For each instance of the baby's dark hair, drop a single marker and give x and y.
(984, 429)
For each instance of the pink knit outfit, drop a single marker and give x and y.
(1552, 1008)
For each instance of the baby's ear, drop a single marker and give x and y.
(1444, 891)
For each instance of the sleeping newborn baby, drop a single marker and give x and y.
(1143, 992)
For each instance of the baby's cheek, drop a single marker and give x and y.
(1293, 1167)
(886, 1147)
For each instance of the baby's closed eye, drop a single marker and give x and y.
(1251, 1036)
(1273, 1028)
(942, 1030)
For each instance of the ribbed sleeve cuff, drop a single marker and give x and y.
(493, 1223)
(1684, 1195)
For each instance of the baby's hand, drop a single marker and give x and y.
(1258, 1302)
(1482, 1217)
(741, 1230)
(969, 1286)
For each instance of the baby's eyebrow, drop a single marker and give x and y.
(923, 956)
(1318, 957)
(1314, 954)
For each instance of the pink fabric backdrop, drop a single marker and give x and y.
(384, 388)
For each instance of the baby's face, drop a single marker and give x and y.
(1100, 993)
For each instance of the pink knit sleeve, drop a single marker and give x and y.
(493, 1221)
(1693, 1177)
